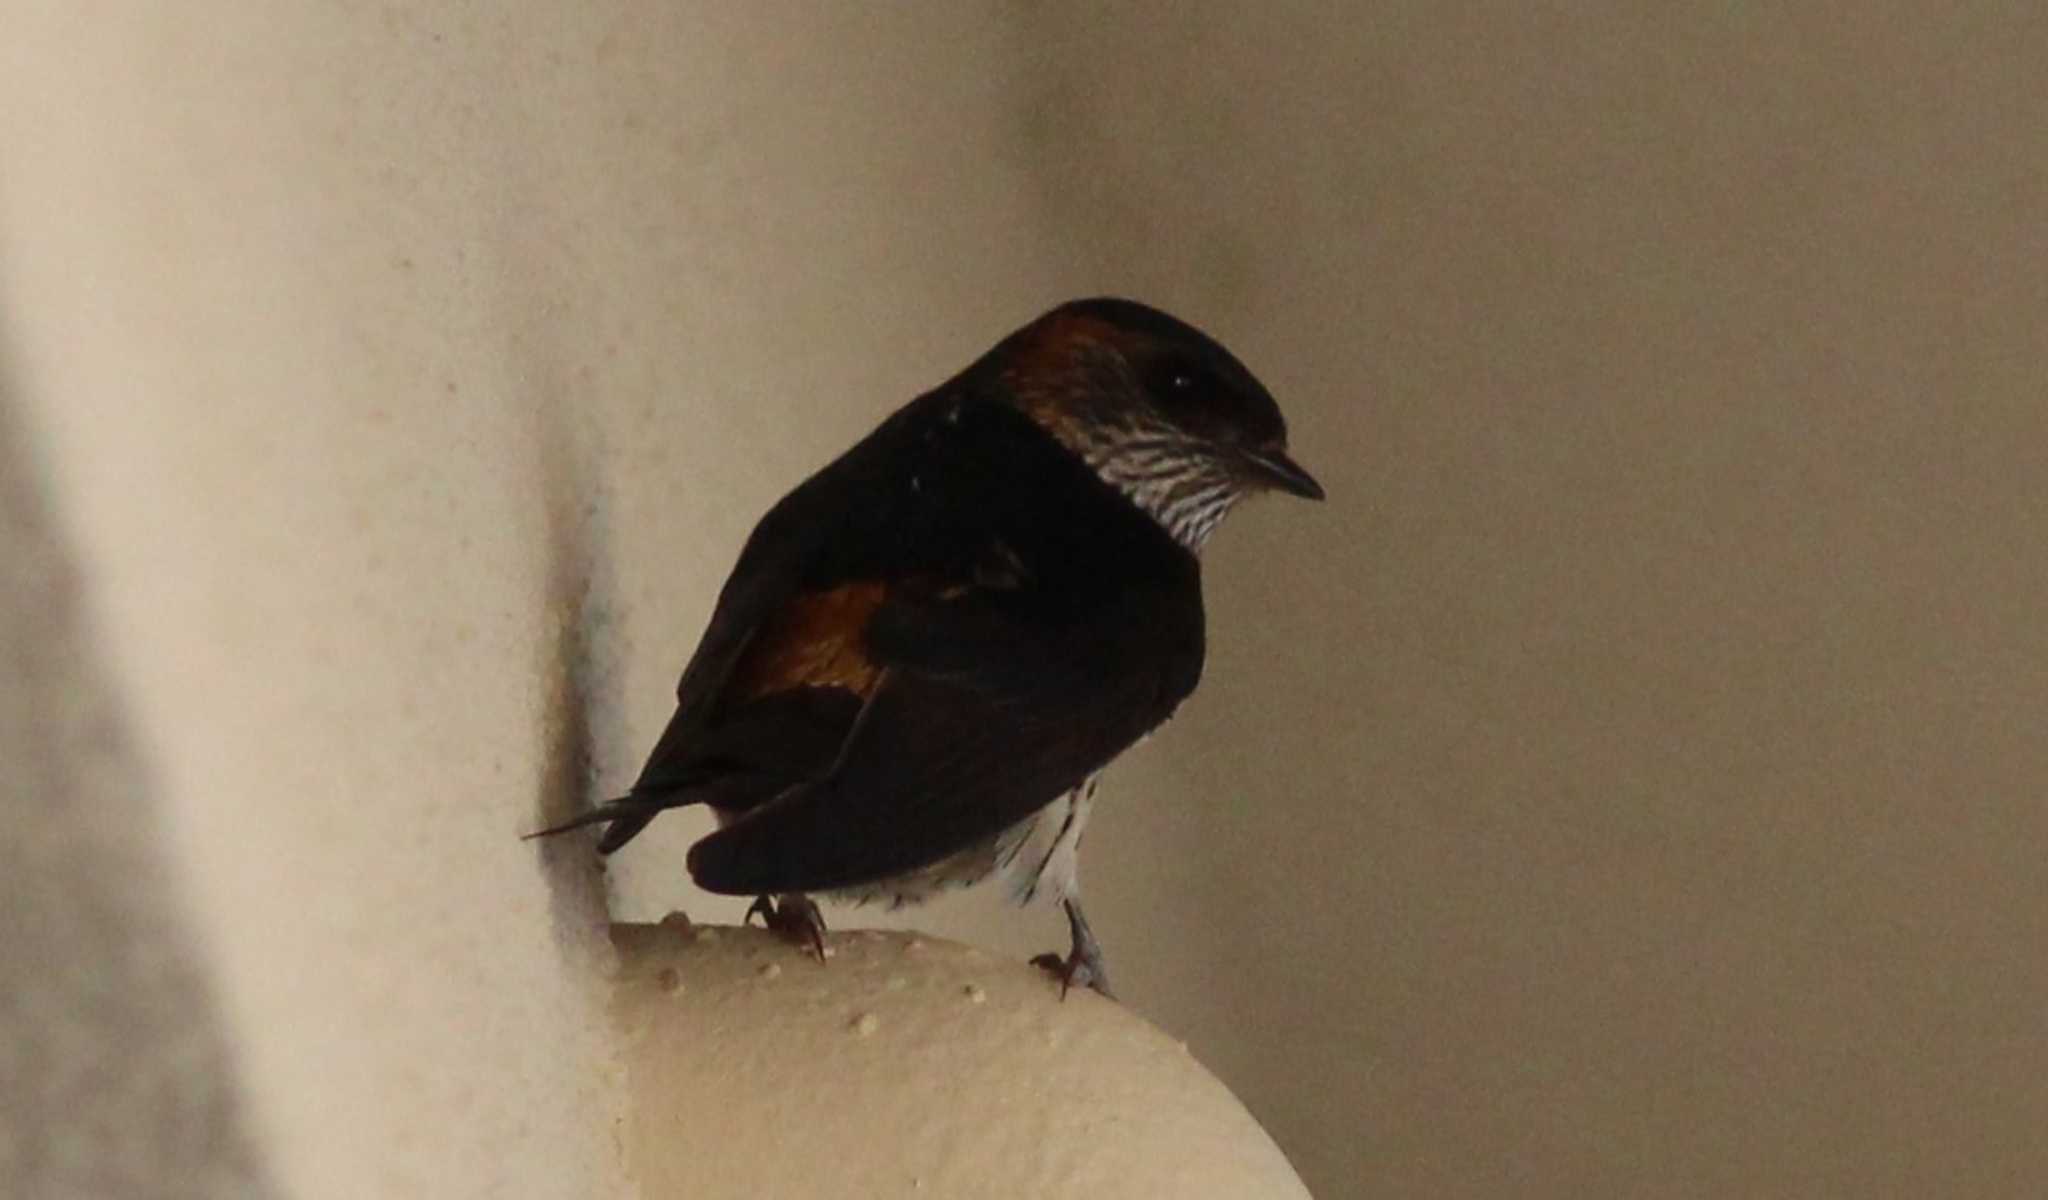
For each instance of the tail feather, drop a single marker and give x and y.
(627, 816)
(729, 792)
(623, 830)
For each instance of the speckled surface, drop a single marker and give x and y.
(905, 1065)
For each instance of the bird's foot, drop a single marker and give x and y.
(1074, 970)
(1083, 964)
(794, 916)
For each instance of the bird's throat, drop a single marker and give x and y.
(1188, 494)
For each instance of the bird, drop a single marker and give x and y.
(929, 650)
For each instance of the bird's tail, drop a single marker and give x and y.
(625, 816)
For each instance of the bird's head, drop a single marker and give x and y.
(1156, 407)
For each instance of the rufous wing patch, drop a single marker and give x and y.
(816, 640)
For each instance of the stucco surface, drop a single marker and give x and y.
(902, 1065)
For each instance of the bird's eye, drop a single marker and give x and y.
(1176, 381)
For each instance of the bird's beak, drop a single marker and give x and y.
(1277, 471)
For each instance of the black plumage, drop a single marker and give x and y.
(927, 641)
(966, 615)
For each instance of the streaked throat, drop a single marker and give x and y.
(1187, 491)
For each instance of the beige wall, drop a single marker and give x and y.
(1633, 781)
(1629, 783)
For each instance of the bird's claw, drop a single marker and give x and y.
(794, 916)
(1070, 971)
(1083, 964)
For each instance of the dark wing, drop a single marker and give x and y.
(780, 702)
(782, 669)
(984, 715)
(780, 673)
(1033, 625)
(927, 641)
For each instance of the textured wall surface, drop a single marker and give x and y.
(906, 1065)
(1628, 783)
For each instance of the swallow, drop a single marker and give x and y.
(929, 650)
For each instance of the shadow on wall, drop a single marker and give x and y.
(578, 672)
(115, 1075)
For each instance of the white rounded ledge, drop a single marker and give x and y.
(908, 1066)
